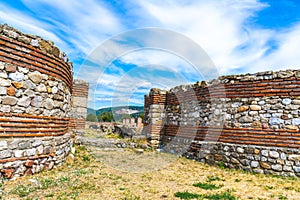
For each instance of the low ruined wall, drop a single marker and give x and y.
(28, 156)
(258, 110)
(35, 101)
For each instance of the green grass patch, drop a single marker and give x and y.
(207, 186)
(214, 178)
(224, 196)
(282, 197)
(269, 187)
(187, 195)
(22, 190)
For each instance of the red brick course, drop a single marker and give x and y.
(20, 54)
(24, 125)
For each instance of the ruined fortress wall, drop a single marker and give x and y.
(248, 122)
(35, 94)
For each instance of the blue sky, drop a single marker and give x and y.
(238, 36)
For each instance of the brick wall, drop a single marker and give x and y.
(259, 110)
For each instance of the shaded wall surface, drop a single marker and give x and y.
(35, 102)
(247, 121)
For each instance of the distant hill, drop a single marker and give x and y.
(120, 110)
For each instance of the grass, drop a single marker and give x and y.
(214, 178)
(222, 196)
(187, 195)
(207, 186)
(95, 174)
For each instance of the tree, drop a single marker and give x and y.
(106, 117)
(142, 115)
(91, 117)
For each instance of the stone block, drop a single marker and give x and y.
(277, 167)
(5, 82)
(255, 107)
(274, 154)
(254, 164)
(35, 77)
(11, 91)
(9, 100)
(30, 152)
(3, 144)
(275, 121)
(17, 76)
(265, 165)
(296, 121)
(294, 157)
(286, 101)
(8, 173)
(5, 154)
(19, 153)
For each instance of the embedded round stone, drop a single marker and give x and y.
(243, 108)
(24, 101)
(296, 121)
(17, 76)
(9, 101)
(49, 103)
(286, 101)
(255, 107)
(36, 76)
(17, 85)
(11, 91)
(37, 101)
(275, 121)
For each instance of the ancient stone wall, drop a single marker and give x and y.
(239, 120)
(35, 102)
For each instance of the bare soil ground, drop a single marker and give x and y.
(128, 175)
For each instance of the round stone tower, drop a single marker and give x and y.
(35, 95)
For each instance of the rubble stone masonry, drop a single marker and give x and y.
(248, 122)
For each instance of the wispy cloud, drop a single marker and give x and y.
(83, 25)
(225, 29)
(28, 23)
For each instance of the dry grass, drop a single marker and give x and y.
(100, 177)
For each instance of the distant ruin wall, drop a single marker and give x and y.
(79, 106)
(247, 121)
(35, 101)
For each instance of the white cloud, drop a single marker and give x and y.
(28, 24)
(82, 24)
(220, 27)
(286, 55)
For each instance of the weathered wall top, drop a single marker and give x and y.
(231, 79)
(33, 40)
